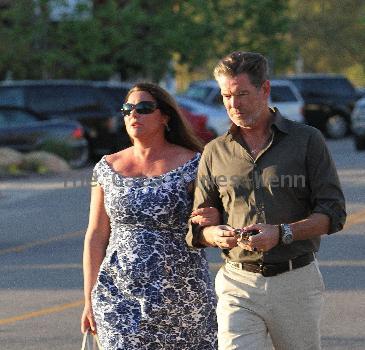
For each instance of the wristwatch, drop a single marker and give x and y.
(286, 234)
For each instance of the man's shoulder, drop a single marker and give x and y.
(299, 129)
(217, 143)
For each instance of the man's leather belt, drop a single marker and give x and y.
(270, 270)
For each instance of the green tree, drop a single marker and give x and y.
(18, 39)
(35, 46)
(138, 38)
(330, 34)
(143, 35)
(260, 26)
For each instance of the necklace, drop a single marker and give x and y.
(256, 150)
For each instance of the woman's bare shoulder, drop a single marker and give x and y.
(117, 156)
(183, 153)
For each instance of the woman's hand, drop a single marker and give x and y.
(87, 320)
(209, 216)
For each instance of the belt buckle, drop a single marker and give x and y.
(265, 271)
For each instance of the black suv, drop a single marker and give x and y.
(117, 92)
(329, 100)
(68, 99)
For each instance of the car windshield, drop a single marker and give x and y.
(11, 96)
(117, 95)
(282, 94)
(15, 118)
(199, 93)
(62, 98)
(330, 87)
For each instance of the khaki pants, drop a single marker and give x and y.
(286, 306)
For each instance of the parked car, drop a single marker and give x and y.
(329, 100)
(199, 125)
(286, 97)
(360, 91)
(27, 131)
(68, 99)
(218, 121)
(116, 93)
(205, 96)
(358, 124)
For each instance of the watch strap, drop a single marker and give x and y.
(280, 235)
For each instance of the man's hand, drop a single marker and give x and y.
(267, 238)
(221, 236)
(209, 216)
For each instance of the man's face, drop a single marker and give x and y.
(244, 102)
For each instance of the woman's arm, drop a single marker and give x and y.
(96, 242)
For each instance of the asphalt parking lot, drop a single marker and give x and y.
(42, 223)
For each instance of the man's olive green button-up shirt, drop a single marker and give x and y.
(293, 177)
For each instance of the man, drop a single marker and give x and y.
(273, 177)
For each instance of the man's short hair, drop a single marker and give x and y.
(253, 64)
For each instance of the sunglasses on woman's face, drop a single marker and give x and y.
(143, 107)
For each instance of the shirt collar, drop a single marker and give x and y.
(279, 122)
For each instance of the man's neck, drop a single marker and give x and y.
(261, 130)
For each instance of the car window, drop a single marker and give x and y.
(185, 106)
(11, 96)
(320, 87)
(55, 99)
(282, 94)
(15, 118)
(117, 95)
(199, 93)
(218, 99)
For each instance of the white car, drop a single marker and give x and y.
(286, 97)
(205, 97)
(218, 121)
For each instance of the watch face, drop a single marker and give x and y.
(288, 238)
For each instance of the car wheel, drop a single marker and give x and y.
(359, 142)
(81, 159)
(336, 126)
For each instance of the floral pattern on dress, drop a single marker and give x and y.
(152, 291)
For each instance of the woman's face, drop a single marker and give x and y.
(141, 125)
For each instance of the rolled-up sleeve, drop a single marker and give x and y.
(206, 195)
(326, 193)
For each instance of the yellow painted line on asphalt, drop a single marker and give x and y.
(41, 267)
(342, 263)
(41, 312)
(354, 219)
(22, 247)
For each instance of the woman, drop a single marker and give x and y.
(142, 284)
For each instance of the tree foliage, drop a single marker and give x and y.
(260, 26)
(142, 38)
(330, 34)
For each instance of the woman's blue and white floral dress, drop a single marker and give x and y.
(152, 291)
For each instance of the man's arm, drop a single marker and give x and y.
(315, 225)
(207, 195)
(327, 200)
(326, 194)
